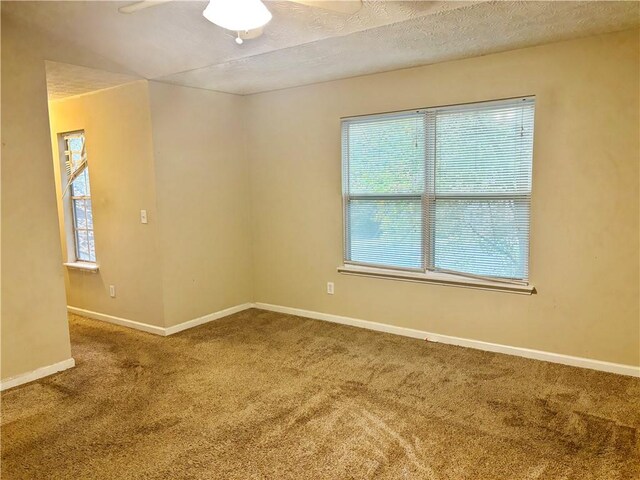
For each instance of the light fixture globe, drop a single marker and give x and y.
(237, 15)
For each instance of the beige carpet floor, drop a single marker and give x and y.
(261, 395)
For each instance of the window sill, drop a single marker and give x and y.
(85, 266)
(437, 278)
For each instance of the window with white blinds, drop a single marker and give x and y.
(78, 209)
(441, 189)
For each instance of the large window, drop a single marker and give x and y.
(441, 189)
(78, 190)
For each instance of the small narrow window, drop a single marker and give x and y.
(77, 188)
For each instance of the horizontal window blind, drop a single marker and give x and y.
(482, 169)
(384, 180)
(445, 189)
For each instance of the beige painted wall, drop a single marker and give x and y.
(34, 321)
(117, 129)
(584, 235)
(194, 256)
(34, 326)
(202, 178)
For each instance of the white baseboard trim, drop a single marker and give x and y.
(162, 331)
(581, 362)
(37, 374)
(123, 322)
(207, 318)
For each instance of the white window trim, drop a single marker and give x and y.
(437, 278)
(86, 266)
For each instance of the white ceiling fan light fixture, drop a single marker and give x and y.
(237, 15)
(247, 17)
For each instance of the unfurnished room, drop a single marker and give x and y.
(323, 240)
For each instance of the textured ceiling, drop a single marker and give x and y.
(465, 32)
(174, 43)
(64, 80)
(175, 37)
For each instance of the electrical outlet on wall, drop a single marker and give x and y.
(143, 216)
(330, 288)
(112, 291)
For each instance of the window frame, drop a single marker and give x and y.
(346, 196)
(427, 273)
(68, 203)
